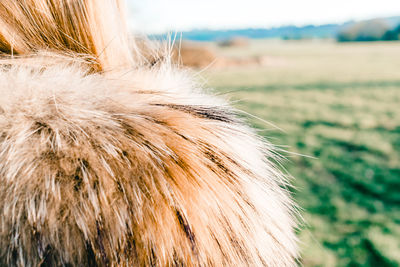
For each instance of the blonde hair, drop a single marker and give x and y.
(87, 28)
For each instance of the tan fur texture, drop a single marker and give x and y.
(131, 167)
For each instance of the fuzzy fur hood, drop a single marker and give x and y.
(136, 167)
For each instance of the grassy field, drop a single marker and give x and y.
(338, 104)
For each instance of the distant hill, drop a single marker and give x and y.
(284, 32)
(289, 32)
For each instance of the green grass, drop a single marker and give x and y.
(339, 104)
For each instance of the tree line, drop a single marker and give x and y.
(368, 31)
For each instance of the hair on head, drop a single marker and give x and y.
(86, 28)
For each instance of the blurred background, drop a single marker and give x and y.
(327, 74)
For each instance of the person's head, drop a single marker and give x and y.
(80, 28)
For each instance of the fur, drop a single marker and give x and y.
(140, 170)
(108, 161)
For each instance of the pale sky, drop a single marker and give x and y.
(155, 16)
